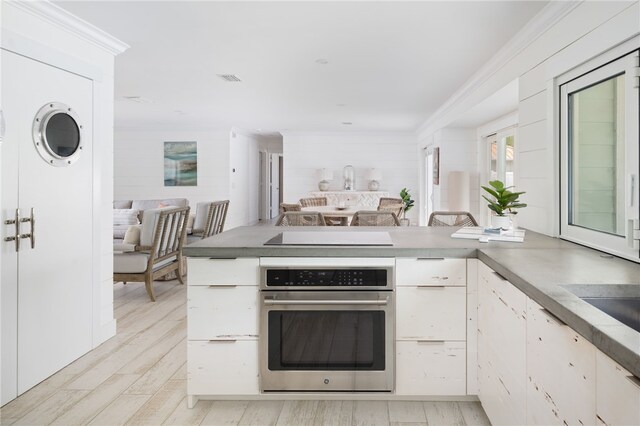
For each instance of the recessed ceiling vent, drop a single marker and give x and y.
(138, 99)
(230, 78)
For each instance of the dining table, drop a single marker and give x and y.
(343, 213)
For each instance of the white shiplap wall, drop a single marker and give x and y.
(139, 165)
(587, 30)
(395, 154)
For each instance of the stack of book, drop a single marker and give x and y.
(484, 235)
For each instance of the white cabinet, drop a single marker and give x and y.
(433, 313)
(430, 368)
(222, 330)
(222, 367)
(431, 271)
(561, 372)
(617, 395)
(204, 271)
(501, 348)
(431, 327)
(222, 311)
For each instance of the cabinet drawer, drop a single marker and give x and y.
(436, 313)
(618, 393)
(431, 368)
(205, 271)
(222, 368)
(219, 311)
(427, 271)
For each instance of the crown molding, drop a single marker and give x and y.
(62, 19)
(549, 16)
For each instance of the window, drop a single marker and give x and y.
(599, 142)
(501, 156)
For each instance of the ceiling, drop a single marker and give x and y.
(389, 65)
(500, 103)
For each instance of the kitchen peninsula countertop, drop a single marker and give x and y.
(539, 267)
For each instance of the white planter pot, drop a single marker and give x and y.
(503, 222)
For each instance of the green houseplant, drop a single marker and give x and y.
(408, 204)
(504, 203)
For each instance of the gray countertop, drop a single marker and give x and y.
(539, 267)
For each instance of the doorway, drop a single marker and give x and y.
(429, 185)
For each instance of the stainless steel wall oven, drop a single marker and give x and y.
(327, 329)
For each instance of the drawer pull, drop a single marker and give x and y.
(434, 342)
(430, 258)
(223, 258)
(552, 317)
(432, 286)
(223, 340)
(500, 276)
(223, 286)
(633, 379)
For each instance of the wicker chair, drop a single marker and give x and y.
(451, 219)
(159, 253)
(375, 218)
(285, 207)
(301, 219)
(313, 202)
(394, 205)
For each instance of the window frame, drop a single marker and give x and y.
(623, 246)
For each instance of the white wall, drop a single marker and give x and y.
(585, 31)
(243, 178)
(395, 154)
(139, 165)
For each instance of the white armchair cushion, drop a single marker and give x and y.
(202, 211)
(135, 263)
(125, 217)
(123, 247)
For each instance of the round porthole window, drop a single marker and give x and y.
(57, 134)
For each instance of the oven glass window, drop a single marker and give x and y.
(326, 340)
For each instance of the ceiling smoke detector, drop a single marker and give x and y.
(232, 78)
(322, 61)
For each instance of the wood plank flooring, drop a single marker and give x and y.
(139, 378)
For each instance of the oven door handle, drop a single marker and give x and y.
(324, 302)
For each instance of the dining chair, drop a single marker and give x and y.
(313, 202)
(442, 218)
(301, 219)
(159, 252)
(375, 218)
(287, 207)
(395, 205)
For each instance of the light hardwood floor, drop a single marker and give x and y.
(139, 377)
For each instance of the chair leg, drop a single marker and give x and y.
(147, 282)
(180, 271)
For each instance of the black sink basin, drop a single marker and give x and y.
(620, 301)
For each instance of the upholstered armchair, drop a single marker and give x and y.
(158, 252)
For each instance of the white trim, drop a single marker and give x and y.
(498, 125)
(543, 21)
(80, 28)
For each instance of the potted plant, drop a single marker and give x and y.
(408, 204)
(503, 204)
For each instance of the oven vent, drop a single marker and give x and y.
(231, 78)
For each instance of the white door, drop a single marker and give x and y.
(50, 283)
(429, 184)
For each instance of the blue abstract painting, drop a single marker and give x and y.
(180, 164)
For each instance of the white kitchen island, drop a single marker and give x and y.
(469, 322)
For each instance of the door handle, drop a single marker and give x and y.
(31, 234)
(324, 302)
(16, 223)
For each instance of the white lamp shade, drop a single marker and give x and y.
(458, 191)
(375, 174)
(326, 174)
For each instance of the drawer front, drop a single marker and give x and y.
(436, 313)
(205, 271)
(218, 311)
(222, 368)
(449, 272)
(431, 368)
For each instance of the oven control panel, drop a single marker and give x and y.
(352, 277)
